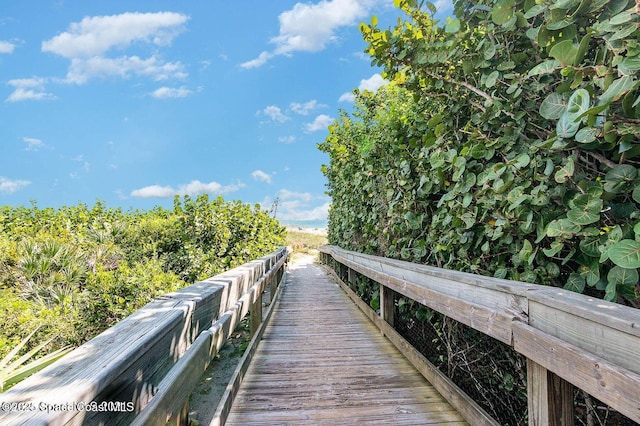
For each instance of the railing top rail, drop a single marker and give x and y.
(406, 274)
(553, 327)
(125, 363)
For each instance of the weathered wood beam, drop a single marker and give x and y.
(590, 343)
(550, 399)
(387, 304)
(606, 381)
(466, 406)
(126, 363)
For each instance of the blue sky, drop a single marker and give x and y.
(133, 102)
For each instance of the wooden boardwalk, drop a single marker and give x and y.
(321, 360)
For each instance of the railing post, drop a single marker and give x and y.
(550, 398)
(182, 419)
(255, 313)
(273, 286)
(387, 305)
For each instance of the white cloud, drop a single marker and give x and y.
(261, 176)
(300, 206)
(85, 164)
(297, 211)
(347, 97)
(371, 84)
(10, 186)
(33, 144)
(193, 188)
(310, 27)
(154, 191)
(96, 35)
(274, 113)
(257, 62)
(285, 194)
(287, 139)
(87, 43)
(306, 108)
(82, 70)
(320, 123)
(34, 82)
(28, 89)
(169, 92)
(6, 47)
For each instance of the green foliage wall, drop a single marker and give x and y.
(75, 271)
(507, 144)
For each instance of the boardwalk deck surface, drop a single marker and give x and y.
(322, 361)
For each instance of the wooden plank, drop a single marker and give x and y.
(457, 301)
(403, 269)
(106, 365)
(127, 362)
(170, 398)
(550, 399)
(255, 315)
(294, 383)
(502, 294)
(609, 314)
(182, 378)
(605, 334)
(224, 406)
(374, 413)
(466, 406)
(605, 329)
(614, 385)
(387, 305)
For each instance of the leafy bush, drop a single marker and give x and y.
(507, 144)
(14, 369)
(72, 272)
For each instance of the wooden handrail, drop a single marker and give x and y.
(146, 365)
(590, 343)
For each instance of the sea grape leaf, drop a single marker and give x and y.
(625, 254)
(622, 276)
(553, 106)
(502, 11)
(575, 283)
(564, 52)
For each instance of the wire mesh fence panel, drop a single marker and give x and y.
(589, 411)
(490, 372)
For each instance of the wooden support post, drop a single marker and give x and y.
(273, 286)
(280, 276)
(351, 276)
(387, 305)
(550, 397)
(255, 313)
(182, 419)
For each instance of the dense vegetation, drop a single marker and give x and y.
(507, 144)
(72, 272)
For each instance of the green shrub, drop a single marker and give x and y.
(507, 144)
(72, 272)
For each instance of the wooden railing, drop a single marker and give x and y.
(142, 370)
(568, 339)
